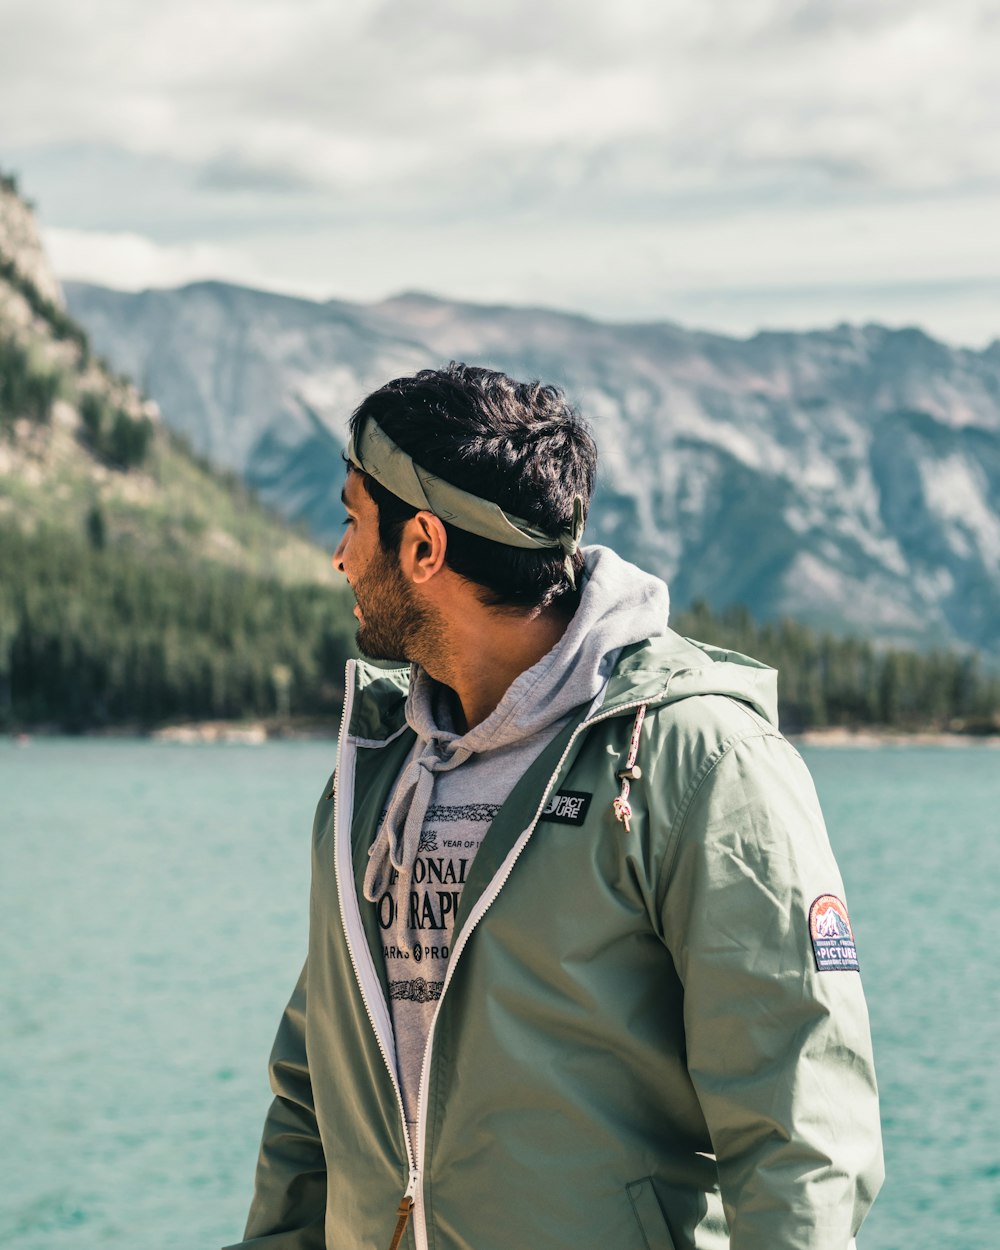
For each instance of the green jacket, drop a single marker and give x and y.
(634, 1049)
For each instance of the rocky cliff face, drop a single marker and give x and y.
(849, 477)
(21, 243)
(82, 449)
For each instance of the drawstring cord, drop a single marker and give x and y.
(631, 772)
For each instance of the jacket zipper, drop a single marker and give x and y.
(409, 1199)
(486, 900)
(409, 1205)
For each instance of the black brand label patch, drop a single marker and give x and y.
(832, 936)
(568, 807)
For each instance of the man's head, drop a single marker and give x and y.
(518, 445)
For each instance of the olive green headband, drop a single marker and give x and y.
(374, 453)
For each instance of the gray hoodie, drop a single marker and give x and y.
(454, 784)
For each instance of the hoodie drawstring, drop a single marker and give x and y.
(631, 772)
(397, 842)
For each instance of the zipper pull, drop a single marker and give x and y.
(403, 1212)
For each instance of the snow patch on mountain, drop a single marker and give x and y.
(955, 491)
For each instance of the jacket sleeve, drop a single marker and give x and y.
(289, 1203)
(779, 1053)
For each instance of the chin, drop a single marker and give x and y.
(377, 649)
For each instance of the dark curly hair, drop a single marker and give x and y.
(519, 444)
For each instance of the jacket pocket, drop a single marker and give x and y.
(649, 1217)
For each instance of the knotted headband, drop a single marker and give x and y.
(374, 453)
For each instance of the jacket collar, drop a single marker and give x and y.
(658, 671)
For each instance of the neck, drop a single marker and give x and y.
(478, 654)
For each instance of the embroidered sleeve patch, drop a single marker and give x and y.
(832, 936)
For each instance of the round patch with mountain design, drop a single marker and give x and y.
(832, 936)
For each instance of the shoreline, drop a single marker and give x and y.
(244, 733)
(873, 737)
(193, 733)
(311, 729)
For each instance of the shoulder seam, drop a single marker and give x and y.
(709, 765)
(764, 725)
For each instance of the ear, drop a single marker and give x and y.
(422, 547)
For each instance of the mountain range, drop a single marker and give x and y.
(847, 477)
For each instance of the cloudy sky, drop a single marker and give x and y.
(729, 164)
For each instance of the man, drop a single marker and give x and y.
(580, 973)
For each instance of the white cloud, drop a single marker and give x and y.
(357, 95)
(615, 156)
(131, 262)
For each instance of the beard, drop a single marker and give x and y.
(392, 621)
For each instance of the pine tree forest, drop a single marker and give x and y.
(95, 638)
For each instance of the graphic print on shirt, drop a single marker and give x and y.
(416, 915)
(417, 923)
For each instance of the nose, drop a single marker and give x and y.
(337, 559)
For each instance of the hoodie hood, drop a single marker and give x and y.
(619, 606)
(668, 669)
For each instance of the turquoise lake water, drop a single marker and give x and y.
(153, 920)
